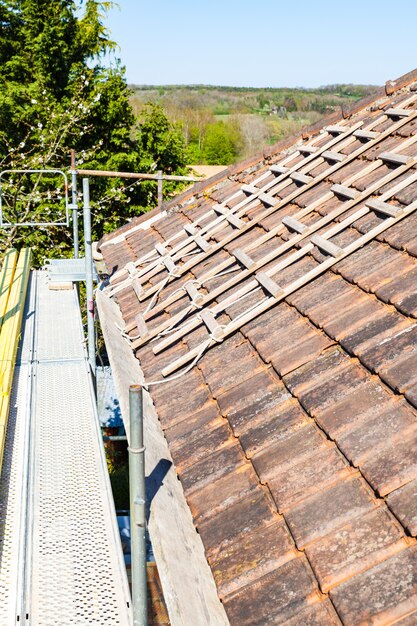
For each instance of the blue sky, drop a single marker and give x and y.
(265, 43)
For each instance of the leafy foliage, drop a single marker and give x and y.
(225, 124)
(57, 94)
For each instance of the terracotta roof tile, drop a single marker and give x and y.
(212, 466)
(403, 503)
(375, 430)
(329, 509)
(360, 403)
(223, 492)
(291, 436)
(393, 466)
(312, 473)
(228, 527)
(287, 451)
(384, 593)
(322, 614)
(275, 597)
(255, 554)
(362, 543)
(271, 426)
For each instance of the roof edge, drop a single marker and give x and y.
(187, 581)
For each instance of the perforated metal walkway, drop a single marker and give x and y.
(61, 561)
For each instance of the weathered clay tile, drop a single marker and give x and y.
(254, 511)
(370, 179)
(287, 451)
(286, 418)
(375, 430)
(382, 594)
(256, 398)
(311, 474)
(395, 347)
(326, 393)
(347, 171)
(362, 543)
(222, 492)
(252, 556)
(313, 344)
(215, 464)
(229, 364)
(403, 235)
(329, 509)
(403, 503)
(374, 332)
(349, 314)
(324, 367)
(401, 374)
(275, 597)
(393, 466)
(201, 443)
(318, 614)
(179, 432)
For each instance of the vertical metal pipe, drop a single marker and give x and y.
(137, 507)
(89, 276)
(160, 183)
(74, 205)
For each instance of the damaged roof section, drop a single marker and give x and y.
(274, 317)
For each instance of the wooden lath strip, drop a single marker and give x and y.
(279, 169)
(392, 157)
(248, 225)
(293, 224)
(297, 177)
(344, 131)
(345, 192)
(383, 207)
(398, 112)
(195, 235)
(307, 149)
(243, 258)
(335, 129)
(293, 241)
(196, 297)
(270, 302)
(326, 246)
(214, 328)
(268, 284)
(230, 217)
(266, 198)
(365, 134)
(333, 156)
(285, 247)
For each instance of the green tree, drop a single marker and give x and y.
(56, 94)
(222, 143)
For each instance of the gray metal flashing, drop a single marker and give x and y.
(187, 581)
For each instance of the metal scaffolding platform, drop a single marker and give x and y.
(61, 559)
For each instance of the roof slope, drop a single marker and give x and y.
(281, 303)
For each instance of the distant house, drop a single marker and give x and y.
(272, 310)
